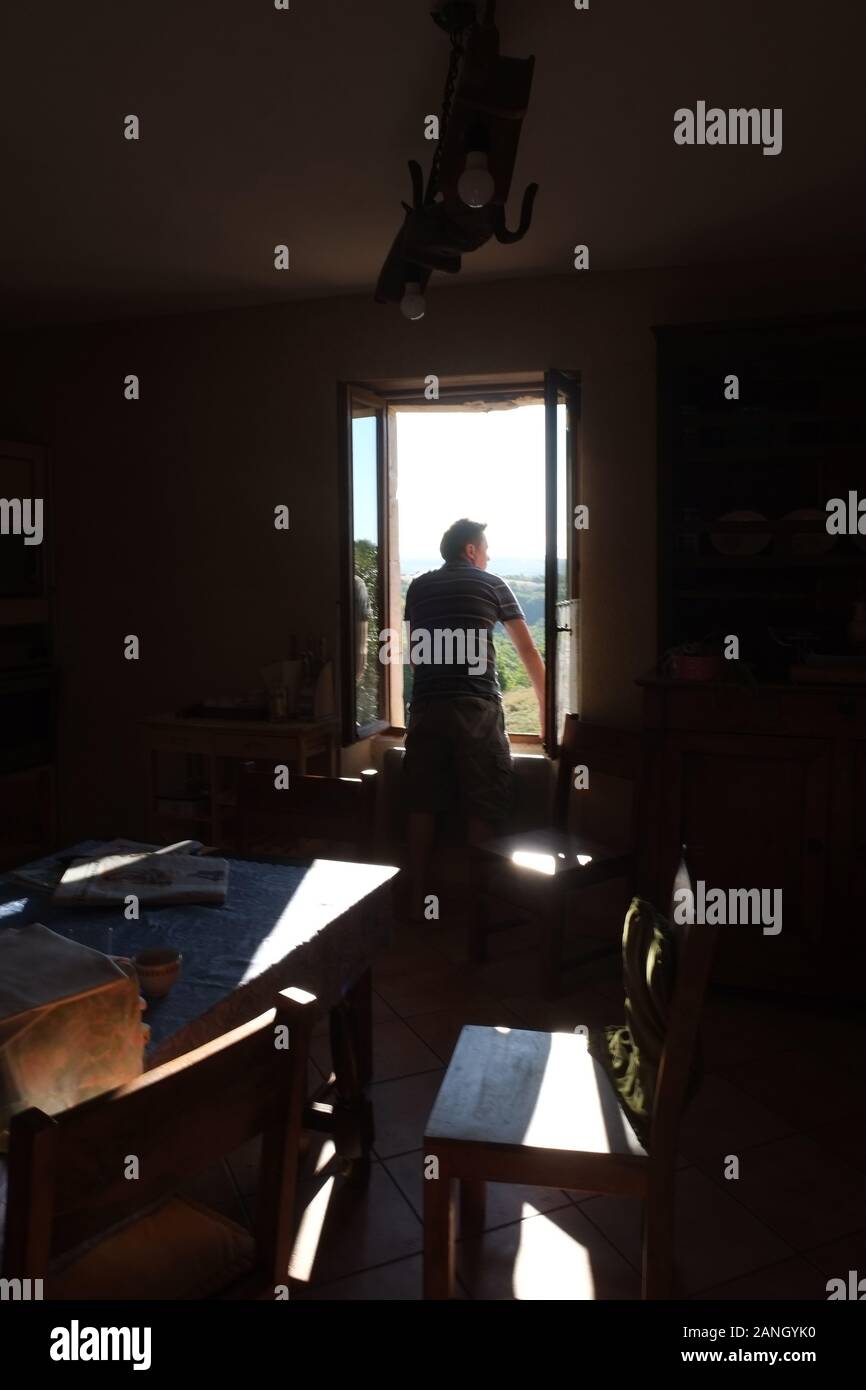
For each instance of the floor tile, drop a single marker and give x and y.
(722, 1120)
(554, 1257)
(801, 1086)
(317, 1150)
(737, 1030)
(506, 1202)
(397, 1282)
(838, 1256)
(790, 1279)
(716, 1238)
(586, 1005)
(342, 1230)
(401, 1109)
(406, 958)
(382, 1013)
(844, 1137)
(441, 1028)
(800, 1191)
(446, 986)
(509, 974)
(397, 1051)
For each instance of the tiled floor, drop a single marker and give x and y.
(779, 1093)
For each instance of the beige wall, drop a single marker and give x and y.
(164, 506)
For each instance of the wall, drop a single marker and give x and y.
(164, 506)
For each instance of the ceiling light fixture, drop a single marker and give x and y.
(463, 205)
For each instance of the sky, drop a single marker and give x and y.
(485, 465)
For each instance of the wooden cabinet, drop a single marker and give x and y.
(744, 484)
(783, 811)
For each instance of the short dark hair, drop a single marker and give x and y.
(462, 533)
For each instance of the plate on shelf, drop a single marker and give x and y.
(745, 542)
(813, 541)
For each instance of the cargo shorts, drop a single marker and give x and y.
(458, 755)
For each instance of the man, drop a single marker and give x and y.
(456, 744)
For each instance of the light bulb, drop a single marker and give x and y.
(412, 304)
(476, 185)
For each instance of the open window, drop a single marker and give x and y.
(414, 457)
(561, 576)
(364, 533)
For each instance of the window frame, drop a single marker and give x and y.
(348, 394)
(387, 397)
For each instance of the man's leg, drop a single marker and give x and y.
(486, 788)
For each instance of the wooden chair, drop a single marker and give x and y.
(525, 1107)
(332, 817)
(71, 1183)
(537, 871)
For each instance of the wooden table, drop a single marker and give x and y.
(221, 744)
(315, 925)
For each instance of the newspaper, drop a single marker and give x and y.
(155, 878)
(43, 875)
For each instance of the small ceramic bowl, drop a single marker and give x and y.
(157, 968)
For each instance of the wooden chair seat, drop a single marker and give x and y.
(575, 861)
(511, 1092)
(180, 1251)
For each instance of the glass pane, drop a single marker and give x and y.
(565, 641)
(365, 530)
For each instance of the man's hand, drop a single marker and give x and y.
(531, 658)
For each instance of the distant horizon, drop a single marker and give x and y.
(510, 566)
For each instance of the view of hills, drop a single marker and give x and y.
(506, 566)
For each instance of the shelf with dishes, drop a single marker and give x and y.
(746, 536)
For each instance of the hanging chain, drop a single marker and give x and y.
(447, 103)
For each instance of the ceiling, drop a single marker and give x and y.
(261, 126)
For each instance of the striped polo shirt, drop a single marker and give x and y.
(451, 613)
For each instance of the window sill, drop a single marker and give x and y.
(521, 743)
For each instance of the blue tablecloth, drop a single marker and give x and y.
(316, 925)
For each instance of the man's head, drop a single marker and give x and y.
(465, 540)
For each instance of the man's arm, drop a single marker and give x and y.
(531, 657)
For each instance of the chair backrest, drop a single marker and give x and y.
(334, 817)
(69, 1175)
(614, 753)
(695, 946)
